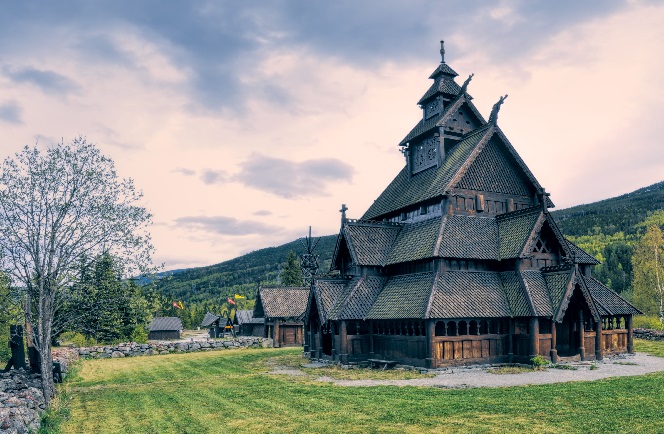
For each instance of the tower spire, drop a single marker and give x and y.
(442, 51)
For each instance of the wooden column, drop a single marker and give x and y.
(599, 354)
(430, 361)
(371, 339)
(277, 340)
(534, 336)
(582, 348)
(343, 342)
(307, 338)
(510, 342)
(630, 334)
(554, 351)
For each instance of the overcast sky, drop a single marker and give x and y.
(245, 123)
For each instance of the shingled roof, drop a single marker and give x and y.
(327, 293)
(282, 302)
(209, 319)
(169, 323)
(462, 294)
(246, 317)
(370, 243)
(404, 296)
(607, 301)
(415, 241)
(362, 294)
(469, 237)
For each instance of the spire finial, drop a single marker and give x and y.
(493, 118)
(464, 86)
(442, 51)
(343, 210)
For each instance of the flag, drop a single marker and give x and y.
(231, 301)
(176, 305)
(181, 305)
(239, 297)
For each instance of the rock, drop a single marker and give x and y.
(163, 352)
(267, 343)
(117, 354)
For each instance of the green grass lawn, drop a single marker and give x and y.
(230, 391)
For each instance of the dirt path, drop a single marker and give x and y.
(637, 364)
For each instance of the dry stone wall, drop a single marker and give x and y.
(21, 402)
(651, 335)
(132, 349)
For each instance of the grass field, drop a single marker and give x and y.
(230, 391)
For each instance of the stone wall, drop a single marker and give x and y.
(651, 335)
(21, 402)
(132, 349)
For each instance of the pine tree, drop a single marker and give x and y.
(648, 269)
(291, 275)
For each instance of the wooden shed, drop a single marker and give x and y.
(459, 261)
(248, 325)
(165, 328)
(283, 309)
(216, 325)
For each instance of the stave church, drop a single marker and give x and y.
(459, 261)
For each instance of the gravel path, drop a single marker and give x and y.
(463, 377)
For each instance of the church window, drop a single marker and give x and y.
(451, 328)
(463, 328)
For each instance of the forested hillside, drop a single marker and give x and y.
(215, 283)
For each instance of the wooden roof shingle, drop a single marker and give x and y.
(404, 296)
(284, 302)
(168, 323)
(469, 237)
(607, 301)
(462, 294)
(370, 243)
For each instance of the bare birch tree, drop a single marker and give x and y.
(57, 206)
(648, 265)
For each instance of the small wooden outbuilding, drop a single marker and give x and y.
(283, 310)
(247, 325)
(216, 325)
(165, 328)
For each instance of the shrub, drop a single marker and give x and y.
(139, 335)
(77, 339)
(647, 322)
(539, 362)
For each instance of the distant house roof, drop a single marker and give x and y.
(170, 323)
(209, 319)
(282, 302)
(243, 316)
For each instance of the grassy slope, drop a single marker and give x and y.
(229, 392)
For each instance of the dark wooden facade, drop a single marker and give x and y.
(459, 261)
(165, 328)
(282, 309)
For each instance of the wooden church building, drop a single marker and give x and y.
(459, 260)
(282, 310)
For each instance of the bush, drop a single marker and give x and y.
(77, 339)
(139, 335)
(647, 322)
(539, 362)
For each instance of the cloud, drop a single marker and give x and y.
(11, 112)
(290, 179)
(210, 176)
(47, 81)
(262, 212)
(227, 225)
(184, 171)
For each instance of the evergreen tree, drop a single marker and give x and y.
(648, 267)
(291, 275)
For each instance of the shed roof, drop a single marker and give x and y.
(243, 316)
(607, 301)
(209, 319)
(284, 302)
(169, 323)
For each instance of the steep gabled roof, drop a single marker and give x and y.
(607, 301)
(360, 298)
(282, 302)
(407, 190)
(515, 293)
(405, 296)
(370, 243)
(326, 293)
(580, 255)
(209, 319)
(243, 316)
(415, 241)
(515, 229)
(463, 294)
(469, 237)
(166, 324)
(538, 292)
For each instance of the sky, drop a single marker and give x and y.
(244, 123)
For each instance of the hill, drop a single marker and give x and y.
(238, 276)
(610, 216)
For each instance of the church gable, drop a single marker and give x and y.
(494, 171)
